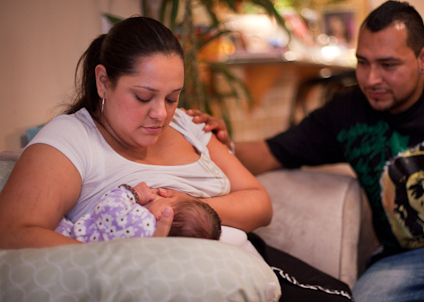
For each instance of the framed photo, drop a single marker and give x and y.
(341, 25)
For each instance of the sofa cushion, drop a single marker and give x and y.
(5, 170)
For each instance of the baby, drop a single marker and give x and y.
(119, 214)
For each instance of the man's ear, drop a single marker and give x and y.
(421, 60)
(101, 80)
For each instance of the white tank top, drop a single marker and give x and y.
(101, 168)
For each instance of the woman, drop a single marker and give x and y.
(125, 128)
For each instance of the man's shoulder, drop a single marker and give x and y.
(349, 96)
(347, 101)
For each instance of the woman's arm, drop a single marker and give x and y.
(43, 186)
(248, 205)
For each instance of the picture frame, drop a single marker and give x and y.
(351, 13)
(340, 25)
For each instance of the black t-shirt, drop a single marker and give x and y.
(347, 129)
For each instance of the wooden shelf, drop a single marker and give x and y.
(261, 74)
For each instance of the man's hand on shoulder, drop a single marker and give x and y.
(213, 124)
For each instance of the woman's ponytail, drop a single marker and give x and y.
(85, 78)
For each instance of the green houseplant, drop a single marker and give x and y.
(201, 92)
(200, 89)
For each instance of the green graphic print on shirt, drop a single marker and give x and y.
(367, 149)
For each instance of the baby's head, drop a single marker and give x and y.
(194, 218)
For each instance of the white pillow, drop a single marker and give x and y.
(137, 269)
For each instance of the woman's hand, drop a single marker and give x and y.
(213, 124)
(163, 226)
(164, 214)
(167, 198)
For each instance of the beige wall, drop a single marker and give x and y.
(418, 4)
(40, 44)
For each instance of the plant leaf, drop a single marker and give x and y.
(232, 79)
(162, 10)
(209, 6)
(203, 41)
(112, 18)
(174, 13)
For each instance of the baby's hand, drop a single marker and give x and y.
(145, 193)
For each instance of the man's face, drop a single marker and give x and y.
(388, 72)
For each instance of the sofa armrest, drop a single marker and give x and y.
(10, 155)
(316, 219)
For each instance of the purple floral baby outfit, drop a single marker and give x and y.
(115, 216)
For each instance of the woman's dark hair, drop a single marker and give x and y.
(119, 50)
(391, 11)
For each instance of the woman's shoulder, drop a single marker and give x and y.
(181, 118)
(183, 123)
(66, 129)
(80, 118)
(66, 123)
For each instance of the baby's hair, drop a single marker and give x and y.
(194, 218)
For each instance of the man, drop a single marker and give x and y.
(366, 127)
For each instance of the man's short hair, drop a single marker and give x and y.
(397, 11)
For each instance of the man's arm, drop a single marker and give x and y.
(256, 156)
(213, 124)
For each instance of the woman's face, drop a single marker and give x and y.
(141, 105)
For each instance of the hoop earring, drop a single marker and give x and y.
(103, 105)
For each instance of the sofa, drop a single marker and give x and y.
(322, 217)
(318, 217)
